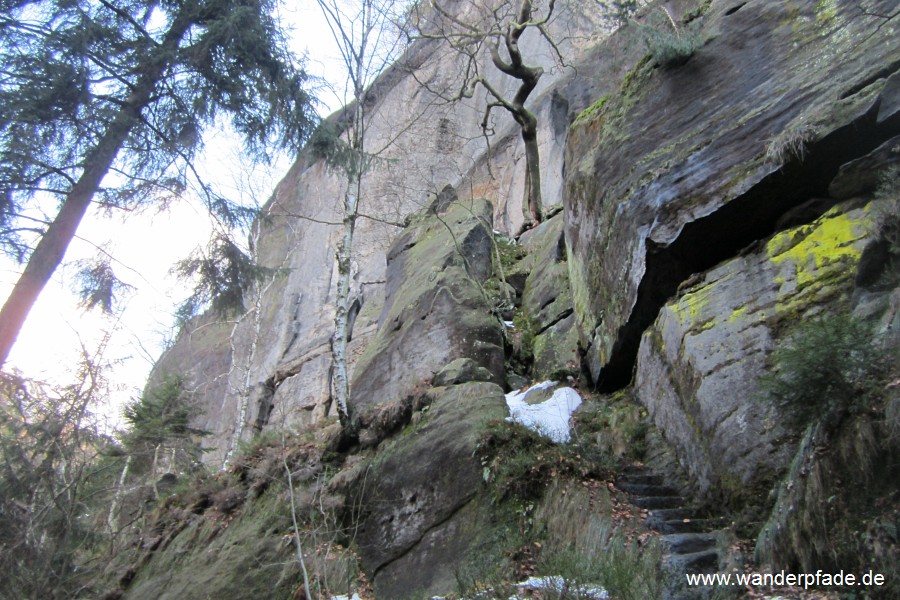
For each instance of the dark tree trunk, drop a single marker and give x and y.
(51, 248)
(533, 199)
(529, 76)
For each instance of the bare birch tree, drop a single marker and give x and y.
(368, 41)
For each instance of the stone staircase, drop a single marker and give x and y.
(688, 538)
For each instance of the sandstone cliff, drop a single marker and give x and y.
(279, 350)
(699, 210)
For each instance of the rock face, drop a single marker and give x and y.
(424, 494)
(461, 370)
(547, 302)
(435, 310)
(279, 363)
(202, 349)
(707, 206)
(698, 365)
(422, 489)
(673, 181)
(681, 167)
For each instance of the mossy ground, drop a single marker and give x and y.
(230, 535)
(556, 511)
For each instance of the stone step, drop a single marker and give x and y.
(646, 489)
(640, 476)
(648, 479)
(628, 469)
(678, 525)
(688, 543)
(704, 561)
(655, 502)
(671, 514)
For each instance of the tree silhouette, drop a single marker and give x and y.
(106, 102)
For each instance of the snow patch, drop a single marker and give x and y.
(553, 583)
(558, 584)
(550, 417)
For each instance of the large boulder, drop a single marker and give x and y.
(422, 497)
(683, 166)
(699, 364)
(435, 310)
(461, 370)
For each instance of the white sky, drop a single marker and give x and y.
(145, 247)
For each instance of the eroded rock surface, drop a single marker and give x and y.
(699, 364)
(281, 345)
(547, 302)
(422, 493)
(682, 167)
(436, 310)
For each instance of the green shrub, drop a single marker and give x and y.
(516, 460)
(826, 368)
(509, 251)
(525, 328)
(671, 45)
(519, 463)
(260, 442)
(613, 429)
(164, 411)
(625, 569)
(630, 571)
(697, 11)
(160, 430)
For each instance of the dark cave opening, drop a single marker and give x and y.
(749, 218)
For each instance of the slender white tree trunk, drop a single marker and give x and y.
(153, 471)
(342, 312)
(243, 392)
(112, 520)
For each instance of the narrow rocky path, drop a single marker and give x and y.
(687, 536)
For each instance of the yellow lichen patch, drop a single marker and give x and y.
(737, 314)
(690, 308)
(828, 241)
(811, 264)
(826, 10)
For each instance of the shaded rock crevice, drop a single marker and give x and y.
(265, 404)
(560, 317)
(700, 383)
(887, 72)
(751, 217)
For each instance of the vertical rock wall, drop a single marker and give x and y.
(699, 364)
(676, 180)
(279, 368)
(681, 167)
